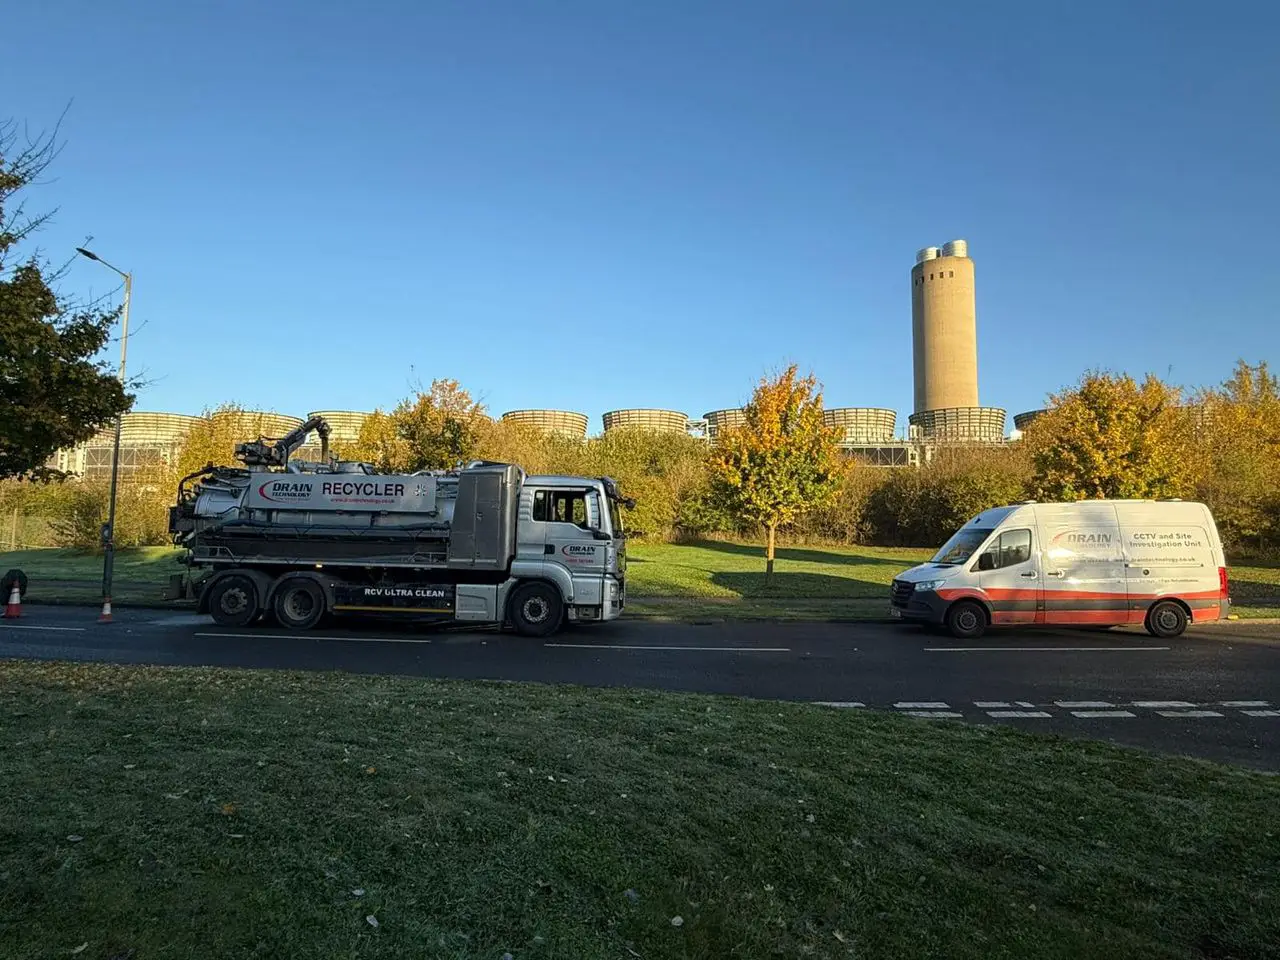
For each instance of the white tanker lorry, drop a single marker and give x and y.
(482, 544)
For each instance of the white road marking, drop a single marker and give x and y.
(1188, 713)
(1023, 703)
(921, 705)
(1246, 703)
(1016, 714)
(14, 626)
(303, 635)
(934, 713)
(1070, 704)
(1102, 714)
(1261, 713)
(986, 704)
(1153, 704)
(646, 646)
(840, 703)
(1044, 649)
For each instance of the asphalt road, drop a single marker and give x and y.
(1213, 693)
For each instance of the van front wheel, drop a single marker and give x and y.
(1166, 620)
(967, 620)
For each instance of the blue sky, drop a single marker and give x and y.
(594, 205)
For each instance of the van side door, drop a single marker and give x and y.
(1009, 575)
(1084, 572)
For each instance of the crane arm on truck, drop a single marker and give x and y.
(260, 453)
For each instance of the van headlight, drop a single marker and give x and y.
(929, 584)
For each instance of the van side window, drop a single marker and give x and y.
(1010, 549)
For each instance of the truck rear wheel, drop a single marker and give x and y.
(234, 602)
(298, 603)
(536, 610)
(1166, 620)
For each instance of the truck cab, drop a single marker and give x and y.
(569, 532)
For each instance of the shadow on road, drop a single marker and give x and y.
(803, 555)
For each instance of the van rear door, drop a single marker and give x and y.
(1171, 553)
(1084, 572)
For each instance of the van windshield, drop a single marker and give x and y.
(962, 546)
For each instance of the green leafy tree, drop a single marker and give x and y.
(1110, 437)
(53, 393)
(434, 430)
(782, 462)
(1235, 445)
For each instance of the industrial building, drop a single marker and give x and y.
(565, 423)
(647, 418)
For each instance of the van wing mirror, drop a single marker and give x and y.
(987, 561)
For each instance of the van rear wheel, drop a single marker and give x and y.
(1166, 620)
(967, 620)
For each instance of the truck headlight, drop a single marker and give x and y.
(929, 584)
(613, 588)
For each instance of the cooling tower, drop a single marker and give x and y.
(564, 422)
(647, 418)
(959, 425)
(944, 328)
(718, 420)
(146, 440)
(862, 426)
(344, 425)
(251, 424)
(1023, 420)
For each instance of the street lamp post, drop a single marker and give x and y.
(109, 531)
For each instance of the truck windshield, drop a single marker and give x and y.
(961, 546)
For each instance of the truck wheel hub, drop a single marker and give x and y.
(1167, 619)
(234, 601)
(534, 610)
(298, 604)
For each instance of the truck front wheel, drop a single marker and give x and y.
(536, 610)
(298, 603)
(233, 601)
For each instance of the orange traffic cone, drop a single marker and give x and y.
(105, 616)
(13, 609)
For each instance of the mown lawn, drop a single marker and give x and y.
(710, 579)
(153, 812)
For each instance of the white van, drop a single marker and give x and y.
(1099, 562)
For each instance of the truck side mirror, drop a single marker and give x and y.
(987, 561)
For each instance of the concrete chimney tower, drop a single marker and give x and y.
(944, 328)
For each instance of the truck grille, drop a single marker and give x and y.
(900, 592)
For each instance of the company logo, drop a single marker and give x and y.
(285, 491)
(367, 488)
(1084, 539)
(582, 551)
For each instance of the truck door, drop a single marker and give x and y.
(570, 539)
(1009, 575)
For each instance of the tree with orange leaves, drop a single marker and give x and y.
(782, 461)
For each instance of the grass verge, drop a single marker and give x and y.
(157, 812)
(707, 580)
